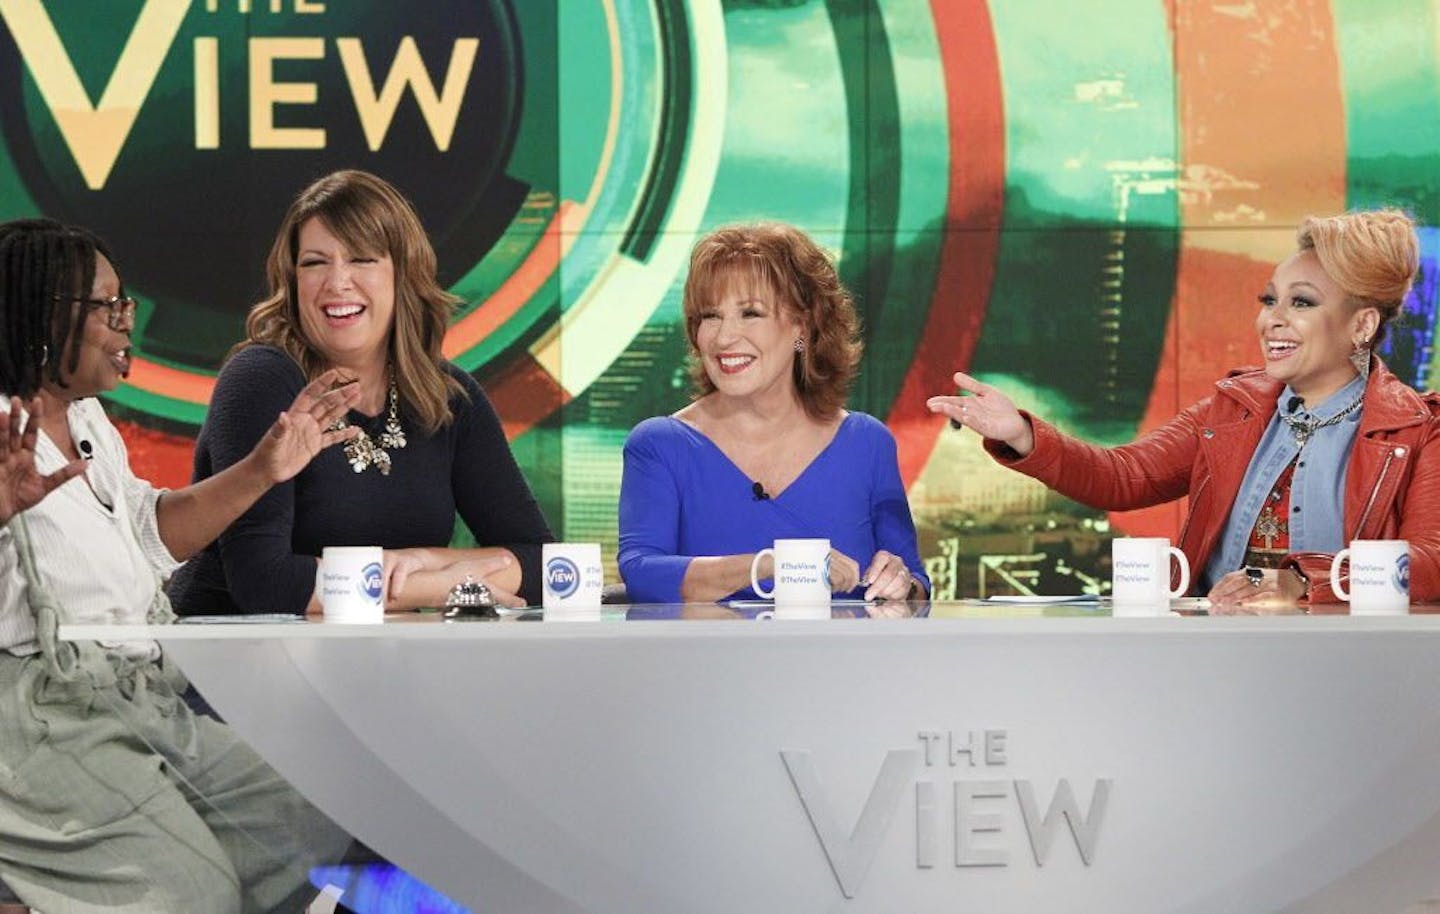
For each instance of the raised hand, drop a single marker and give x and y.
(304, 430)
(21, 485)
(987, 411)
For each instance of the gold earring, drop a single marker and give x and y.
(1360, 358)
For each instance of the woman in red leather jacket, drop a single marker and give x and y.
(1283, 465)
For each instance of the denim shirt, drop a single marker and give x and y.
(1317, 490)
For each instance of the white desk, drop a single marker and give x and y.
(1255, 764)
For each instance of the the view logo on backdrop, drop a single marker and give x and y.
(181, 129)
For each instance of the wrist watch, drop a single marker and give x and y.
(470, 598)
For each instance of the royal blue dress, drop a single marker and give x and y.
(681, 497)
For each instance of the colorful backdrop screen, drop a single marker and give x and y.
(1077, 202)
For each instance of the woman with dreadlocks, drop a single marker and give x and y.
(113, 795)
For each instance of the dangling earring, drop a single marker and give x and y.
(1360, 358)
(799, 344)
(44, 354)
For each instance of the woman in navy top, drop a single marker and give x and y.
(353, 287)
(766, 451)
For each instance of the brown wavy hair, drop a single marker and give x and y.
(1373, 256)
(371, 217)
(784, 261)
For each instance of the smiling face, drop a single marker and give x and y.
(746, 341)
(104, 354)
(346, 298)
(1308, 328)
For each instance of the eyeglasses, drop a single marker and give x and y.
(121, 310)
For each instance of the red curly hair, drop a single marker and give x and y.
(801, 277)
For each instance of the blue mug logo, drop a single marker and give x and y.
(371, 581)
(562, 578)
(825, 571)
(1401, 577)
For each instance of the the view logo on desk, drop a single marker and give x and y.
(562, 577)
(980, 808)
(372, 581)
(574, 577)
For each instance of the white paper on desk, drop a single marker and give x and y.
(1034, 600)
(770, 604)
(246, 619)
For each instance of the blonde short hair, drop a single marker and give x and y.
(1373, 256)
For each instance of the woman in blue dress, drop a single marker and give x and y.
(766, 451)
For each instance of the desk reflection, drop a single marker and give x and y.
(1072, 607)
(762, 611)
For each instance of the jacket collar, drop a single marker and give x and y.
(1390, 403)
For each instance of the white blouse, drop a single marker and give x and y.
(97, 545)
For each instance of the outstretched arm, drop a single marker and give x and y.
(190, 518)
(988, 411)
(1153, 469)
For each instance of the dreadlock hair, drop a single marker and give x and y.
(45, 266)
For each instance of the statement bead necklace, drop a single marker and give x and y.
(1303, 429)
(363, 451)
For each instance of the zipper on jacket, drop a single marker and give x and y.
(1375, 493)
(1190, 515)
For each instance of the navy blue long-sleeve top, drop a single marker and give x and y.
(266, 560)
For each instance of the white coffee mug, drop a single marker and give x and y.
(1379, 577)
(802, 573)
(1140, 571)
(351, 583)
(573, 575)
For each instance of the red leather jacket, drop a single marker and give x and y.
(1392, 487)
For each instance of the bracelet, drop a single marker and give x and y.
(1305, 595)
(915, 589)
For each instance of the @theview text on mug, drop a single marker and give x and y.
(351, 583)
(1140, 571)
(801, 572)
(1379, 577)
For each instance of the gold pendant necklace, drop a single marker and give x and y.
(363, 451)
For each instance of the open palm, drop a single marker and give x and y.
(306, 428)
(986, 410)
(22, 486)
